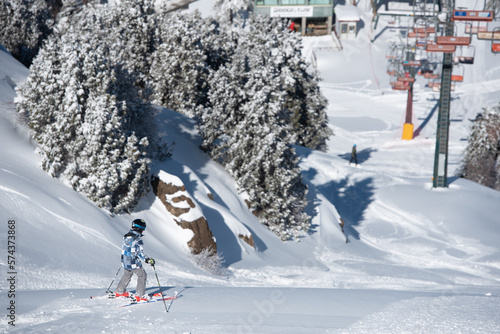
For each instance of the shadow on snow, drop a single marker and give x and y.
(351, 200)
(363, 155)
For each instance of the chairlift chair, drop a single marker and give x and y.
(431, 75)
(465, 55)
(472, 15)
(436, 87)
(423, 30)
(430, 71)
(400, 85)
(421, 55)
(475, 27)
(457, 74)
(424, 67)
(405, 79)
(421, 43)
(424, 8)
(434, 84)
(433, 47)
(495, 47)
(495, 43)
(453, 40)
(393, 79)
(396, 52)
(393, 66)
(391, 51)
(397, 84)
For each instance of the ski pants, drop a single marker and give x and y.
(141, 281)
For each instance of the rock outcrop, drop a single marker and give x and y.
(184, 211)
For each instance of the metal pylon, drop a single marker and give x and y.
(440, 179)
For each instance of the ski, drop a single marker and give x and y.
(151, 301)
(111, 295)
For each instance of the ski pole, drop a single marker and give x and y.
(107, 291)
(161, 291)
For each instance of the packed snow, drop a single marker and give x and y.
(411, 259)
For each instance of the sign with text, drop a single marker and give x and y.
(295, 11)
(472, 15)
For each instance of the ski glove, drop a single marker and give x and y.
(151, 261)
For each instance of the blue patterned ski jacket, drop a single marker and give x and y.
(132, 250)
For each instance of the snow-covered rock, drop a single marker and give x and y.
(184, 211)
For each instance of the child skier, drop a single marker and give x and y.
(132, 253)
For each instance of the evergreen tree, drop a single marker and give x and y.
(481, 163)
(42, 89)
(25, 25)
(179, 71)
(251, 107)
(133, 24)
(87, 130)
(227, 10)
(223, 111)
(189, 47)
(304, 101)
(248, 129)
(44, 98)
(264, 163)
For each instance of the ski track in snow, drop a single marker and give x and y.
(14, 192)
(444, 315)
(413, 244)
(82, 230)
(266, 310)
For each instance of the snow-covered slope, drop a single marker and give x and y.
(414, 255)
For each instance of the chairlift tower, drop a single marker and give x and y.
(410, 68)
(440, 179)
(444, 42)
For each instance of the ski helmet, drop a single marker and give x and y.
(139, 225)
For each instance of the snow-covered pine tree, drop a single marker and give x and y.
(133, 30)
(309, 117)
(41, 94)
(189, 47)
(247, 128)
(225, 98)
(304, 101)
(25, 25)
(94, 173)
(481, 163)
(49, 99)
(107, 26)
(265, 164)
(87, 132)
(227, 11)
(215, 42)
(113, 168)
